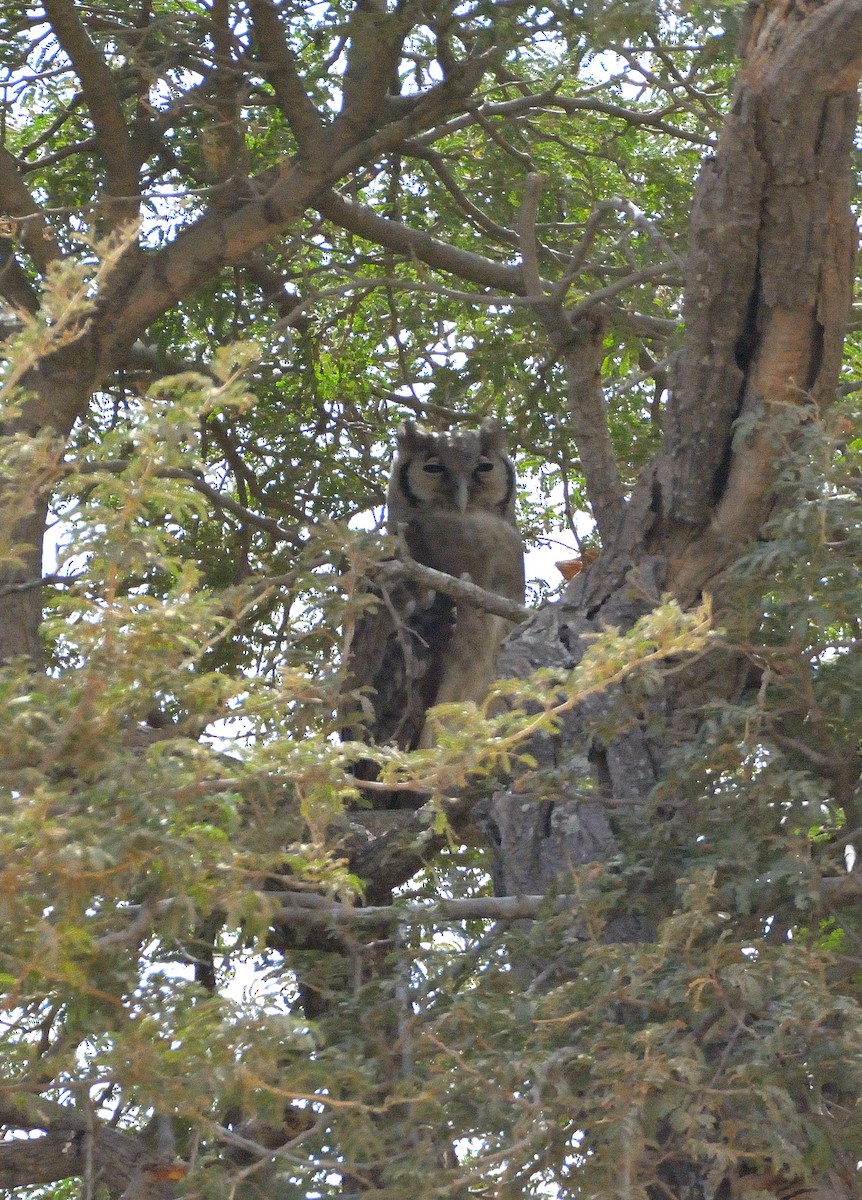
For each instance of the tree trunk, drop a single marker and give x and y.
(768, 289)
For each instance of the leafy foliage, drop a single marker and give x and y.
(191, 954)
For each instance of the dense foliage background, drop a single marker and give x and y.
(238, 243)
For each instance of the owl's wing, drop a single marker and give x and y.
(394, 663)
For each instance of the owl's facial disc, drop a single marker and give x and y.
(461, 494)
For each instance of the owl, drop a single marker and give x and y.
(452, 498)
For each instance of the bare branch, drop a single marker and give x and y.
(520, 156)
(49, 131)
(364, 222)
(458, 589)
(316, 909)
(658, 274)
(527, 235)
(632, 117)
(582, 356)
(551, 99)
(593, 224)
(472, 211)
(581, 351)
(279, 67)
(368, 283)
(302, 907)
(15, 201)
(103, 101)
(28, 585)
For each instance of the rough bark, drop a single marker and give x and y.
(768, 287)
(769, 279)
(56, 1141)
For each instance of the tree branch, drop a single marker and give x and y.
(394, 235)
(279, 67)
(117, 1157)
(15, 287)
(765, 310)
(569, 105)
(276, 198)
(36, 237)
(406, 567)
(33, 1161)
(579, 343)
(375, 40)
(103, 103)
(310, 908)
(527, 240)
(472, 211)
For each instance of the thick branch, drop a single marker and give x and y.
(279, 67)
(224, 148)
(33, 1161)
(14, 284)
(117, 1158)
(376, 37)
(365, 223)
(318, 910)
(279, 197)
(102, 98)
(580, 346)
(768, 281)
(582, 356)
(15, 201)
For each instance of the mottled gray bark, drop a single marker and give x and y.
(768, 286)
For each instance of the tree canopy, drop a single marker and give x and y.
(604, 939)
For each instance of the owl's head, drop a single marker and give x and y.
(459, 471)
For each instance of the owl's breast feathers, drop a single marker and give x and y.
(479, 544)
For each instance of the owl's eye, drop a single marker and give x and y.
(485, 464)
(433, 468)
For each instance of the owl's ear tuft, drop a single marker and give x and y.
(492, 435)
(411, 436)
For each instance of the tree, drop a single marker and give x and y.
(225, 970)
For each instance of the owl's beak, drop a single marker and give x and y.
(462, 495)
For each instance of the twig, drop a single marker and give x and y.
(591, 302)
(370, 282)
(27, 585)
